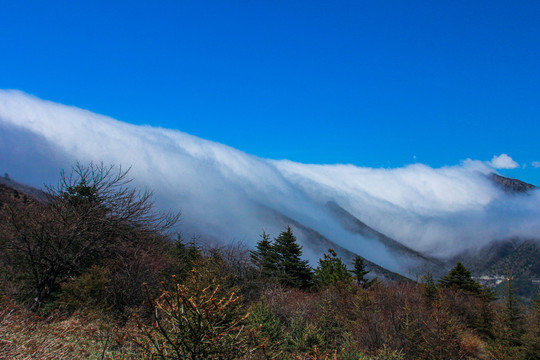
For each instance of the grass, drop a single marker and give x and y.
(25, 335)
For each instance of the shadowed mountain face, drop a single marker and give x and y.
(416, 263)
(401, 219)
(356, 226)
(317, 243)
(516, 257)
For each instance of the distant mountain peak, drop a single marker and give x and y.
(511, 185)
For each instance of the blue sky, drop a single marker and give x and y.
(377, 84)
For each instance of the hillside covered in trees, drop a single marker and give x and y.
(89, 269)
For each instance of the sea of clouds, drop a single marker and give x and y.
(225, 193)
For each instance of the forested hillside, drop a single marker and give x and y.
(91, 270)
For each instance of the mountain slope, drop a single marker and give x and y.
(31, 191)
(515, 257)
(419, 263)
(317, 243)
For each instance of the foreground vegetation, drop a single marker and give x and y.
(95, 273)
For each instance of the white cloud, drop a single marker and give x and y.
(503, 161)
(536, 164)
(223, 192)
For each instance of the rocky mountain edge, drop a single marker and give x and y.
(511, 185)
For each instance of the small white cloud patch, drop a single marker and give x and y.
(503, 161)
(536, 164)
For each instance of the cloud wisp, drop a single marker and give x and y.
(223, 192)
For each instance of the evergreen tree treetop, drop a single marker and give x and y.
(331, 270)
(293, 270)
(359, 272)
(264, 256)
(460, 278)
(429, 289)
(263, 248)
(281, 259)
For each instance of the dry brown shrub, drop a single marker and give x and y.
(288, 303)
(472, 346)
(192, 322)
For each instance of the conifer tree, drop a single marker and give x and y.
(185, 255)
(292, 270)
(331, 270)
(263, 248)
(483, 323)
(264, 257)
(429, 289)
(360, 272)
(460, 278)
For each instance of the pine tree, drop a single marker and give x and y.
(442, 336)
(185, 256)
(264, 257)
(360, 272)
(293, 271)
(263, 248)
(429, 289)
(331, 270)
(460, 278)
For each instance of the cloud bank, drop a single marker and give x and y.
(229, 195)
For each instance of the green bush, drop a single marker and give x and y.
(86, 292)
(269, 325)
(303, 335)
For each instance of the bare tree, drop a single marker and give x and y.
(87, 212)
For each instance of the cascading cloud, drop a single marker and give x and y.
(221, 191)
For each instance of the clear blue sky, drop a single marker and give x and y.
(373, 83)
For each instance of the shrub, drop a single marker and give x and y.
(86, 291)
(195, 323)
(270, 327)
